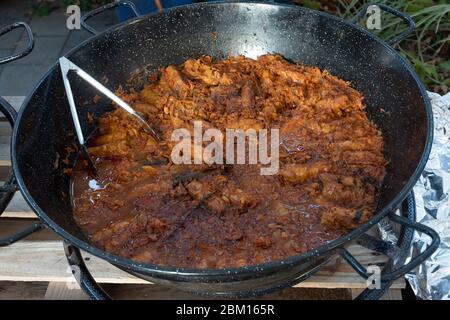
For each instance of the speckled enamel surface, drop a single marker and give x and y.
(394, 96)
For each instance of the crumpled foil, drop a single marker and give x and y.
(431, 280)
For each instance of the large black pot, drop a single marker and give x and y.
(43, 130)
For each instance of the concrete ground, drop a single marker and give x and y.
(52, 40)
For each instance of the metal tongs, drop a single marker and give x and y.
(66, 65)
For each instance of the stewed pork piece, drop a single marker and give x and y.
(144, 206)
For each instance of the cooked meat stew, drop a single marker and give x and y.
(144, 207)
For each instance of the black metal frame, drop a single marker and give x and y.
(407, 19)
(8, 189)
(390, 273)
(82, 274)
(395, 12)
(397, 254)
(104, 8)
(29, 46)
(86, 280)
(415, 262)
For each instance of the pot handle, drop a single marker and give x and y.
(82, 274)
(395, 12)
(103, 8)
(8, 189)
(30, 43)
(415, 261)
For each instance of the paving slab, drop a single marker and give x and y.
(3, 54)
(75, 38)
(12, 38)
(19, 80)
(104, 20)
(15, 10)
(52, 25)
(52, 40)
(46, 50)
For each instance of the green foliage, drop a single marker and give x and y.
(312, 4)
(41, 8)
(428, 49)
(85, 5)
(45, 7)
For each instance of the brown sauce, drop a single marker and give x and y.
(144, 207)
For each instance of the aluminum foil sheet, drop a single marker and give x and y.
(431, 280)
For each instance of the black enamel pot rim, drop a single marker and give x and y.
(230, 274)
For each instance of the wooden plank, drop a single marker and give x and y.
(69, 291)
(5, 153)
(5, 169)
(15, 101)
(5, 159)
(5, 136)
(159, 292)
(18, 208)
(44, 251)
(5, 132)
(391, 294)
(49, 264)
(13, 290)
(64, 291)
(11, 226)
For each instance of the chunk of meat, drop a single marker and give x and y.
(171, 78)
(118, 234)
(247, 96)
(343, 190)
(234, 233)
(243, 124)
(199, 70)
(150, 95)
(343, 218)
(296, 173)
(218, 204)
(113, 149)
(144, 207)
(263, 242)
(199, 190)
(239, 198)
(109, 138)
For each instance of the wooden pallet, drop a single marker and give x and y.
(36, 267)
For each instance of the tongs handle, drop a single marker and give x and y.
(66, 66)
